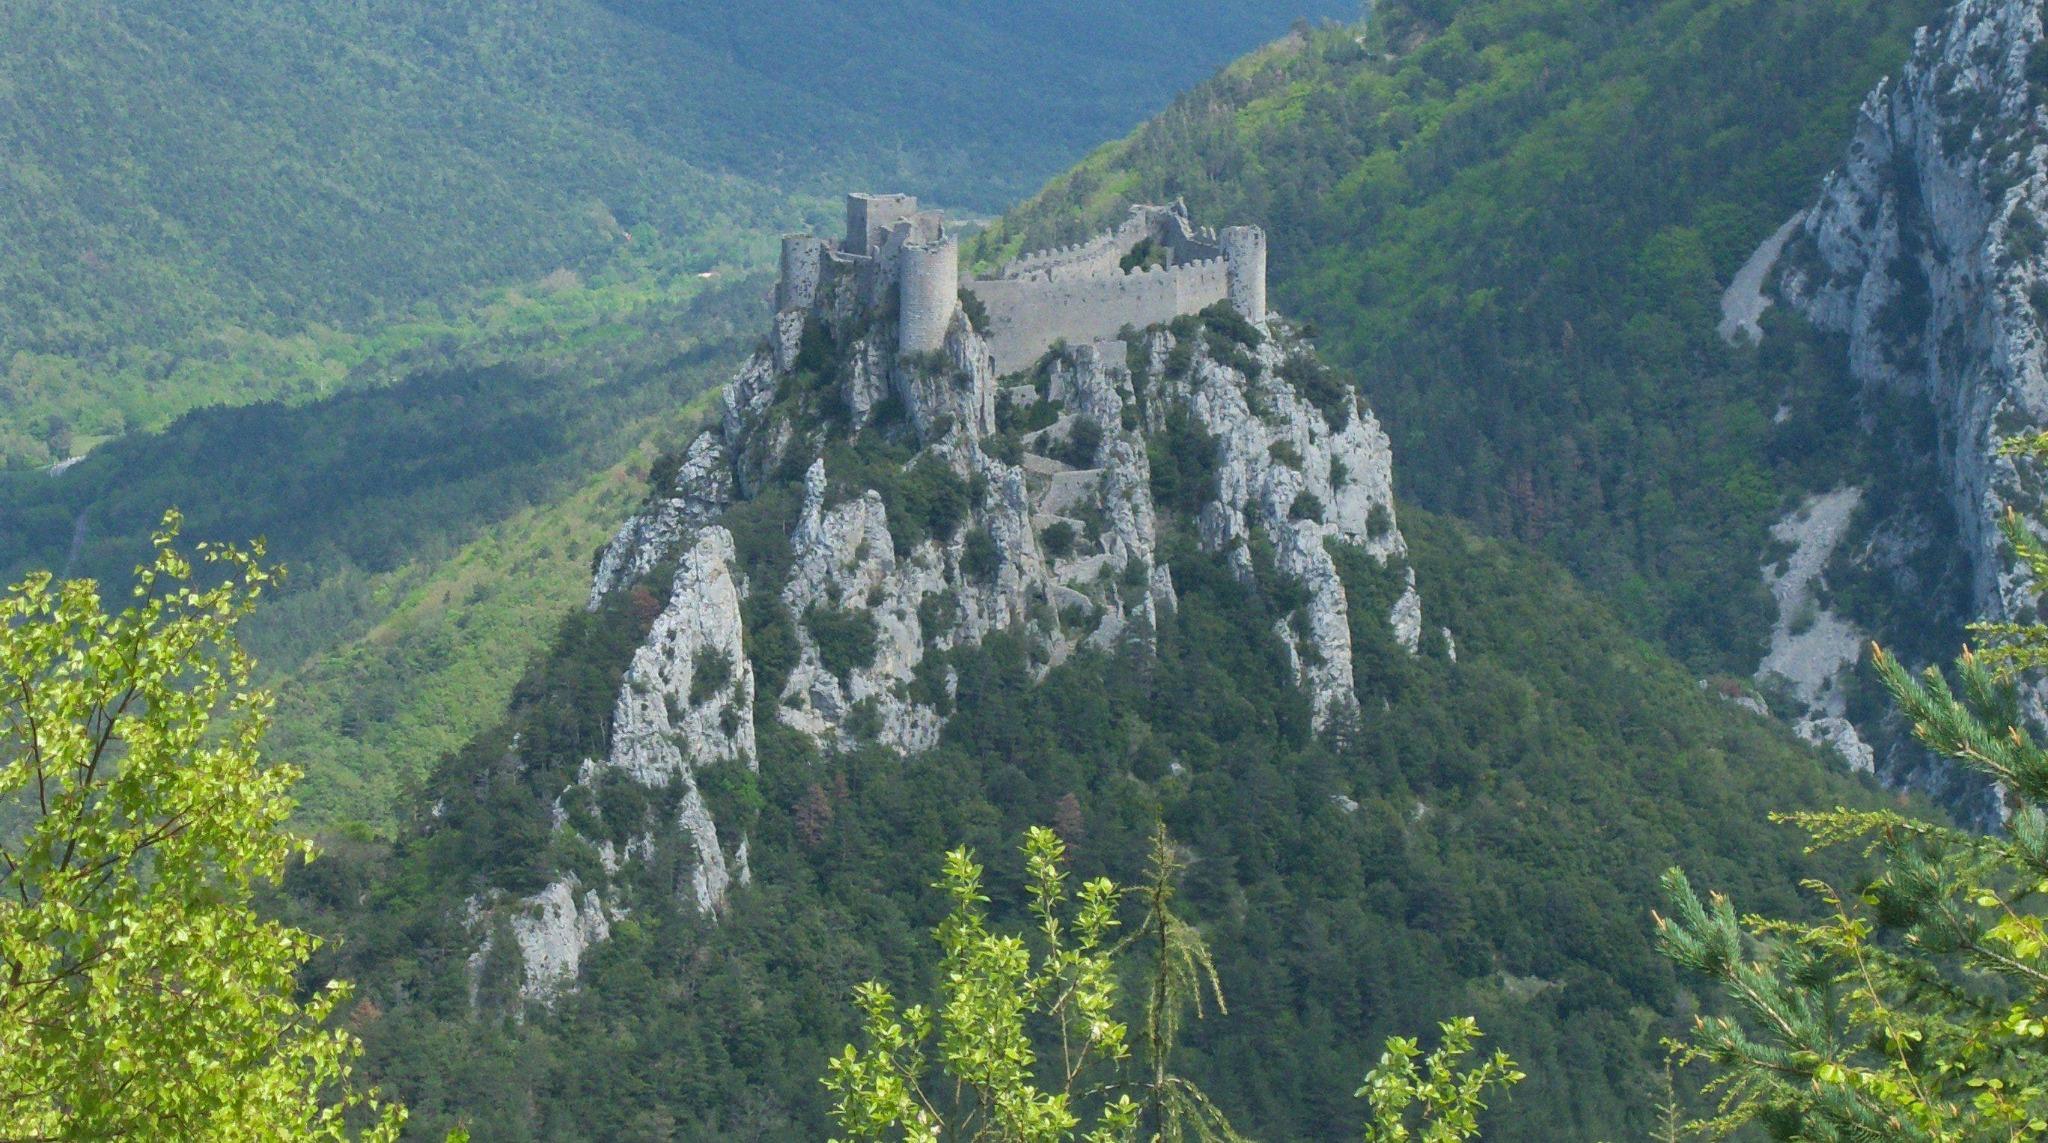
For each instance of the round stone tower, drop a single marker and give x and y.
(803, 257)
(929, 281)
(1244, 248)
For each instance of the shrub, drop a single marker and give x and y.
(710, 674)
(1084, 440)
(979, 556)
(1379, 521)
(1223, 319)
(1058, 539)
(976, 312)
(1319, 386)
(845, 638)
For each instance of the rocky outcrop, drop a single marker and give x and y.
(931, 503)
(687, 704)
(701, 489)
(550, 932)
(1812, 648)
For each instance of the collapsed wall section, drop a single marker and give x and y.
(1027, 317)
(1100, 256)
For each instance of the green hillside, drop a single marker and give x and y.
(455, 266)
(210, 203)
(432, 528)
(1511, 220)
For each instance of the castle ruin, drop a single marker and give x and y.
(1152, 268)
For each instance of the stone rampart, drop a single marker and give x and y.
(896, 253)
(1027, 315)
(1097, 257)
(1244, 247)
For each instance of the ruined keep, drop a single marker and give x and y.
(1154, 267)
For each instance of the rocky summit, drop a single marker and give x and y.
(1025, 502)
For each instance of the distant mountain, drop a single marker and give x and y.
(181, 180)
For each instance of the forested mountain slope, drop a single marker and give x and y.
(1511, 220)
(1513, 809)
(893, 602)
(193, 194)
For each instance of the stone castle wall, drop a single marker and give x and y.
(894, 252)
(803, 266)
(1103, 254)
(869, 217)
(1244, 248)
(1026, 316)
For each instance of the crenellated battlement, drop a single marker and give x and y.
(893, 251)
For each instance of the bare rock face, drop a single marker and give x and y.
(1287, 475)
(687, 704)
(702, 488)
(550, 930)
(1925, 249)
(1929, 257)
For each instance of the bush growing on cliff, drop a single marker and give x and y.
(1058, 539)
(975, 309)
(845, 638)
(979, 556)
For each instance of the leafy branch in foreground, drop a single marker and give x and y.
(1029, 1048)
(141, 993)
(1917, 1008)
(1028, 1043)
(1446, 1101)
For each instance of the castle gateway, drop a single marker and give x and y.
(1154, 267)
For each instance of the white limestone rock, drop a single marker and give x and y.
(845, 561)
(1924, 251)
(1285, 473)
(1812, 648)
(551, 931)
(1291, 480)
(703, 488)
(1929, 194)
(554, 928)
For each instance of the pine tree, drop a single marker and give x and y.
(1917, 1008)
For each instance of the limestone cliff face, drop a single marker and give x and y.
(1928, 253)
(1926, 249)
(1035, 515)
